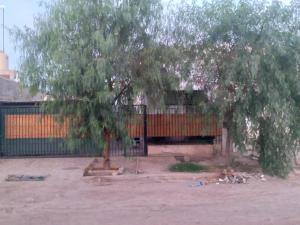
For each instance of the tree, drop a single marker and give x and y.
(93, 56)
(246, 55)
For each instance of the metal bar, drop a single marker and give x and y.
(145, 131)
(126, 120)
(29, 136)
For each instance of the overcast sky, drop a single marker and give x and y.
(20, 13)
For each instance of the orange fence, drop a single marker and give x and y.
(45, 126)
(182, 125)
(34, 126)
(175, 125)
(158, 125)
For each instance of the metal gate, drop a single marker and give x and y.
(25, 130)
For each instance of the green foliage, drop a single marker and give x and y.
(187, 167)
(246, 54)
(275, 148)
(93, 56)
(90, 57)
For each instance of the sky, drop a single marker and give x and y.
(16, 13)
(20, 13)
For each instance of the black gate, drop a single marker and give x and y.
(25, 130)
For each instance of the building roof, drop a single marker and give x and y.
(12, 91)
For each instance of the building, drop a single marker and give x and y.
(10, 89)
(5, 72)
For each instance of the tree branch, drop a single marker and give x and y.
(121, 92)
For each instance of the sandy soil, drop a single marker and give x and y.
(156, 197)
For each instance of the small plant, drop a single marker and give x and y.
(187, 167)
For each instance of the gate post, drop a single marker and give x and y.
(145, 131)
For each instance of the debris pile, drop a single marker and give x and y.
(234, 179)
(229, 177)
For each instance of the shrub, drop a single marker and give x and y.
(187, 167)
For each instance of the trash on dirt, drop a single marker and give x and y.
(259, 176)
(234, 179)
(229, 177)
(262, 178)
(120, 171)
(25, 178)
(197, 184)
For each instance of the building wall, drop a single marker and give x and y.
(5, 72)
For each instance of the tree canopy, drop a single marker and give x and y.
(247, 55)
(91, 56)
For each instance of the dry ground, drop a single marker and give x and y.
(156, 197)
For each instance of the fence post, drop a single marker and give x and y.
(145, 131)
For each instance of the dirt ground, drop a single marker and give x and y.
(156, 197)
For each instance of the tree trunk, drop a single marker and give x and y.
(228, 147)
(227, 123)
(295, 158)
(105, 153)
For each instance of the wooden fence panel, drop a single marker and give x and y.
(158, 125)
(34, 126)
(181, 125)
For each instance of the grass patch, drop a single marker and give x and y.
(187, 167)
